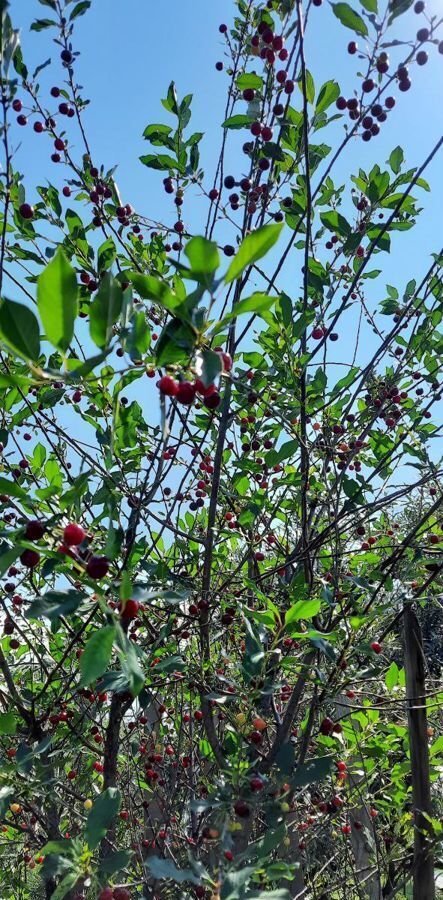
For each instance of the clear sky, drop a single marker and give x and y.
(131, 50)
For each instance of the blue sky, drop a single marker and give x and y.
(129, 52)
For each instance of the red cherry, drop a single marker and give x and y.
(97, 567)
(229, 855)
(326, 726)
(226, 360)
(198, 715)
(241, 809)
(121, 894)
(256, 783)
(26, 211)
(106, 893)
(168, 386)
(185, 393)
(73, 535)
(130, 610)
(34, 530)
(376, 647)
(212, 400)
(30, 558)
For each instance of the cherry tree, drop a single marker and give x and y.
(220, 490)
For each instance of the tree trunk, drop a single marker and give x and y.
(423, 870)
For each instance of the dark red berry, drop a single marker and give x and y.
(423, 35)
(30, 558)
(97, 567)
(26, 211)
(34, 530)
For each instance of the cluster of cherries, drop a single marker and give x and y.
(73, 535)
(185, 392)
(117, 893)
(377, 114)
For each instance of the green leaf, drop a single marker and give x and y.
(8, 723)
(175, 343)
(54, 604)
(252, 248)
(259, 304)
(336, 222)
(8, 556)
(395, 160)
(288, 449)
(40, 24)
(19, 329)
(19, 65)
(370, 5)
(279, 894)
(391, 677)
(203, 256)
(106, 255)
(79, 9)
(327, 95)
(161, 162)
(166, 868)
(170, 664)
(249, 80)
(140, 336)
(65, 886)
(6, 793)
(115, 862)
(11, 489)
(397, 8)
(101, 815)
(130, 664)
(310, 87)
(312, 771)
(97, 654)
(350, 18)
(170, 103)
(211, 367)
(105, 310)
(302, 609)
(57, 300)
(437, 747)
(151, 288)
(240, 121)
